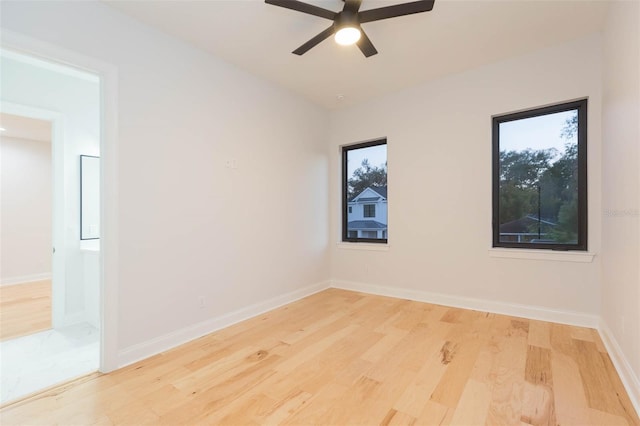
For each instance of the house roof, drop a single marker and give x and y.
(365, 224)
(381, 190)
(525, 225)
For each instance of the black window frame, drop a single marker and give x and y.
(581, 107)
(367, 208)
(345, 202)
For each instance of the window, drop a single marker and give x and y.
(364, 192)
(369, 210)
(540, 178)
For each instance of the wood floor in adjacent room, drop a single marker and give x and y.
(341, 358)
(25, 309)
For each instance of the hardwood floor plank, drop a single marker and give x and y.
(287, 407)
(601, 418)
(459, 354)
(330, 395)
(474, 404)
(339, 362)
(570, 400)
(418, 393)
(538, 366)
(601, 389)
(25, 309)
(624, 407)
(508, 375)
(299, 358)
(595, 379)
(384, 345)
(346, 358)
(538, 407)
(361, 394)
(248, 410)
(582, 333)
(435, 414)
(539, 334)
(397, 418)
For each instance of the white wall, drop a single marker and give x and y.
(439, 162)
(189, 227)
(25, 210)
(621, 181)
(76, 99)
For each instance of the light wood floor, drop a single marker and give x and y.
(342, 358)
(25, 309)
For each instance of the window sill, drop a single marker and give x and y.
(363, 246)
(557, 256)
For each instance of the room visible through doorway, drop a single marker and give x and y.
(50, 271)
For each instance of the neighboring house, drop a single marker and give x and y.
(526, 229)
(367, 214)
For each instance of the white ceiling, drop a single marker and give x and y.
(455, 36)
(16, 126)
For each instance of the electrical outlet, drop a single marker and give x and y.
(231, 163)
(202, 302)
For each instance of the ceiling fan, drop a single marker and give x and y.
(346, 24)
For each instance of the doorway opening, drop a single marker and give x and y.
(50, 277)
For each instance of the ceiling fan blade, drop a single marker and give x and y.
(352, 6)
(304, 8)
(365, 45)
(395, 10)
(314, 41)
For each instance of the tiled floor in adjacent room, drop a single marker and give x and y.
(40, 360)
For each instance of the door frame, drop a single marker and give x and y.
(108, 74)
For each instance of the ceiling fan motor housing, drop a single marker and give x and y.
(346, 19)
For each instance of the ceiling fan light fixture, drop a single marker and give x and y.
(347, 36)
(346, 24)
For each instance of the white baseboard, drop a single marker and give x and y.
(625, 371)
(171, 340)
(25, 279)
(504, 308)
